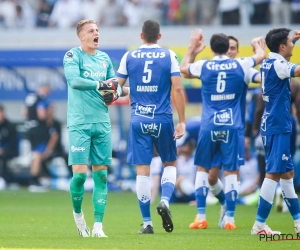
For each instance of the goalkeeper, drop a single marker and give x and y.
(87, 70)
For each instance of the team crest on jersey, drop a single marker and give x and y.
(69, 54)
(104, 66)
(263, 124)
(221, 135)
(145, 110)
(223, 117)
(151, 128)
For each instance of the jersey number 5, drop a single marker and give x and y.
(148, 72)
(221, 82)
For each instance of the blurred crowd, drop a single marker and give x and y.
(66, 13)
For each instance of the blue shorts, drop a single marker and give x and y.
(142, 137)
(41, 148)
(216, 161)
(225, 143)
(277, 153)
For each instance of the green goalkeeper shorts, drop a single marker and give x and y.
(90, 143)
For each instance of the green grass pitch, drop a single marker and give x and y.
(45, 221)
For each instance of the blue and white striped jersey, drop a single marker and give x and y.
(150, 69)
(276, 73)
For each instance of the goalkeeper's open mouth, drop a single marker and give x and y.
(96, 40)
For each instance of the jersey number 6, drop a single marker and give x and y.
(221, 82)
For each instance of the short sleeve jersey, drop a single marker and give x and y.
(276, 73)
(150, 69)
(224, 81)
(83, 71)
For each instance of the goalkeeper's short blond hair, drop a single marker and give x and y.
(81, 23)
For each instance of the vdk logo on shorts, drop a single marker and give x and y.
(151, 128)
(221, 135)
(77, 149)
(285, 158)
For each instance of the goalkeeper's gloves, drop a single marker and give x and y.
(109, 85)
(109, 98)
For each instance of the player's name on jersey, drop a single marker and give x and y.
(140, 88)
(222, 97)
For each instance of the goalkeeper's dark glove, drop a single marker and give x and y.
(109, 85)
(109, 98)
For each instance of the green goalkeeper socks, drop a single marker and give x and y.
(99, 194)
(77, 190)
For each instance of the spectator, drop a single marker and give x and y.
(295, 7)
(177, 13)
(153, 10)
(230, 12)
(54, 141)
(92, 9)
(201, 12)
(8, 143)
(43, 13)
(112, 14)
(65, 14)
(133, 11)
(36, 105)
(7, 13)
(261, 14)
(280, 12)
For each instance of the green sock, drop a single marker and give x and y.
(77, 190)
(99, 194)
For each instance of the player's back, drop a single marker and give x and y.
(223, 84)
(276, 95)
(150, 69)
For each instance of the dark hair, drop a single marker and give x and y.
(151, 30)
(235, 39)
(276, 37)
(219, 43)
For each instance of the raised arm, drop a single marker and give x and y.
(259, 48)
(195, 47)
(296, 36)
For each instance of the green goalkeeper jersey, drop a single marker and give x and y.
(83, 71)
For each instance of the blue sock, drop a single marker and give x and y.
(201, 194)
(290, 197)
(267, 193)
(218, 191)
(168, 180)
(230, 196)
(201, 186)
(263, 211)
(143, 192)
